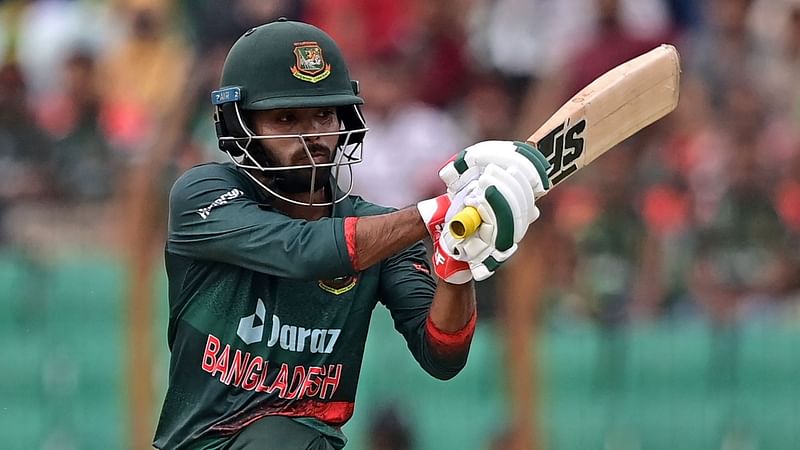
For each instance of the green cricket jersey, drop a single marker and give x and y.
(269, 317)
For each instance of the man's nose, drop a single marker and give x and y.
(314, 126)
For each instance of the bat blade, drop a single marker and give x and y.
(609, 110)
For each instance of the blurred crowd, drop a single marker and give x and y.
(699, 213)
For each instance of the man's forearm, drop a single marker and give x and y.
(379, 237)
(453, 305)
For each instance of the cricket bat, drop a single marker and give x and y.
(609, 110)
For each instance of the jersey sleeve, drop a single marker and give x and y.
(407, 289)
(213, 218)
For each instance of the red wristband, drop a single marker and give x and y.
(450, 341)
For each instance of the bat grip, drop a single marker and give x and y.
(465, 222)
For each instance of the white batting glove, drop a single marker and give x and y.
(500, 179)
(506, 204)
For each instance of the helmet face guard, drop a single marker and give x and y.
(287, 64)
(239, 148)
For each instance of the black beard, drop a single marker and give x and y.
(299, 181)
(294, 181)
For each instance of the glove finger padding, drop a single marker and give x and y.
(528, 199)
(505, 199)
(487, 267)
(470, 162)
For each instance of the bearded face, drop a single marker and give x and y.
(307, 151)
(291, 152)
(297, 181)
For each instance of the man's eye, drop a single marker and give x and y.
(285, 118)
(325, 113)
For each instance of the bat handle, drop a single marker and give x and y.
(465, 222)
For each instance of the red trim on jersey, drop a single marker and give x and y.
(350, 239)
(448, 342)
(332, 413)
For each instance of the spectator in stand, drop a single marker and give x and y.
(365, 28)
(610, 244)
(787, 204)
(503, 40)
(44, 33)
(444, 67)
(425, 135)
(793, 57)
(680, 174)
(742, 238)
(140, 75)
(83, 163)
(726, 42)
(431, 35)
(612, 37)
(24, 148)
(487, 111)
(788, 197)
(210, 26)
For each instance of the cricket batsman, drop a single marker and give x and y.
(274, 268)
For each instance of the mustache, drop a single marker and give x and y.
(316, 149)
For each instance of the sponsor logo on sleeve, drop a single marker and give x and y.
(221, 200)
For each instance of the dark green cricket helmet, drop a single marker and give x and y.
(287, 64)
(284, 64)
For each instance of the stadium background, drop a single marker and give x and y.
(655, 305)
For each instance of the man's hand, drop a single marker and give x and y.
(506, 206)
(447, 268)
(501, 180)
